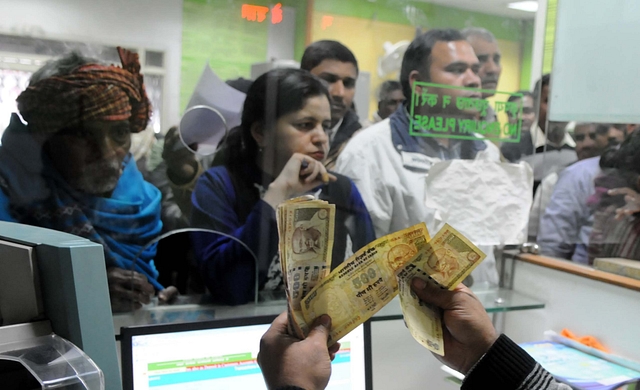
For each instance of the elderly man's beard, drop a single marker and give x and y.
(98, 178)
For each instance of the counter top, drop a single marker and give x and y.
(195, 308)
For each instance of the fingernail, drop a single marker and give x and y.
(419, 283)
(325, 321)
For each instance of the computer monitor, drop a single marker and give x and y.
(221, 354)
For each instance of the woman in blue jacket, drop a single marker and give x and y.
(275, 154)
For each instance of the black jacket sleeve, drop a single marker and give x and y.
(509, 367)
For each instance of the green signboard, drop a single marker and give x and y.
(445, 111)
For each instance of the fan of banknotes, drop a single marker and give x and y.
(363, 284)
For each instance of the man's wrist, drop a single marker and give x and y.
(505, 366)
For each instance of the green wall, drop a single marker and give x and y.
(214, 30)
(527, 54)
(426, 15)
(549, 36)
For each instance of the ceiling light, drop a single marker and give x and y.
(528, 6)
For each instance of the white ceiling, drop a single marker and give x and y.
(493, 7)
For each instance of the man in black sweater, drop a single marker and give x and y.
(472, 347)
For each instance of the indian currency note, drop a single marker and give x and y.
(365, 282)
(307, 235)
(423, 320)
(450, 257)
(447, 259)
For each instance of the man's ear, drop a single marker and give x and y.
(257, 132)
(414, 76)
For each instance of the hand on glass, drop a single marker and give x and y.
(287, 361)
(631, 199)
(168, 294)
(467, 329)
(181, 161)
(128, 290)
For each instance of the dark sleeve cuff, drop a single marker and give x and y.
(504, 366)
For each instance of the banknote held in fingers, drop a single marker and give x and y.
(365, 282)
(305, 230)
(447, 259)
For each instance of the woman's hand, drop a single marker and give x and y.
(299, 175)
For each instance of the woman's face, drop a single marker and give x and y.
(302, 131)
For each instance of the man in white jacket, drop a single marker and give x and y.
(389, 165)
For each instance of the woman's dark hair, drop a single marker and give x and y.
(274, 94)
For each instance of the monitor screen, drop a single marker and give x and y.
(221, 355)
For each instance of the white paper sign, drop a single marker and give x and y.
(487, 201)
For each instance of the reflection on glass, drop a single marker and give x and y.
(616, 226)
(12, 83)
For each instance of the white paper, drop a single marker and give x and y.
(204, 126)
(487, 201)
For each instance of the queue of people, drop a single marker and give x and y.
(65, 164)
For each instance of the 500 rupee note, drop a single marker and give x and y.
(423, 320)
(450, 257)
(447, 259)
(364, 283)
(306, 229)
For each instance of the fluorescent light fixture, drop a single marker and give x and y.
(528, 6)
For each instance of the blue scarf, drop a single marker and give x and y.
(123, 223)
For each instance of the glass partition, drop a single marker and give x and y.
(586, 200)
(169, 131)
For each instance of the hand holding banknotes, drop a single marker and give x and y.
(300, 175)
(468, 332)
(288, 361)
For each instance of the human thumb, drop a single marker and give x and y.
(429, 292)
(320, 329)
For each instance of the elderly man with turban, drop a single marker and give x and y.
(69, 167)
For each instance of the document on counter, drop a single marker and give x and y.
(578, 369)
